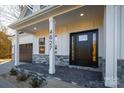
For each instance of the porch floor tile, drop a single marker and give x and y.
(81, 77)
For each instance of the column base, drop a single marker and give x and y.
(16, 64)
(51, 71)
(110, 82)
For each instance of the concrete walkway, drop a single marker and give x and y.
(6, 67)
(54, 83)
(6, 84)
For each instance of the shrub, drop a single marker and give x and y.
(13, 72)
(35, 82)
(21, 77)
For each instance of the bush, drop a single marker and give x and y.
(13, 72)
(21, 77)
(35, 82)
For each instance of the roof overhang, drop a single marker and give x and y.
(44, 14)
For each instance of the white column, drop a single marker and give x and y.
(122, 32)
(112, 18)
(16, 48)
(51, 45)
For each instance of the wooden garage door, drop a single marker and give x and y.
(26, 52)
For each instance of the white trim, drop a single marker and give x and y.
(39, 13)
(34, 15)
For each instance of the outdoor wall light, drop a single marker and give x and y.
(81, 14)
(35, 28)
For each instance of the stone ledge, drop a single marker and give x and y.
(121, 62)
(62, 60)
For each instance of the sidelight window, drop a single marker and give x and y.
(94, 48)
(72, 50)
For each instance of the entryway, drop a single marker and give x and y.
(25, 52)
(84, 48)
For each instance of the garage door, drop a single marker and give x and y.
(26, 52)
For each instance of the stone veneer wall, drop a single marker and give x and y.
(102, 66)
(62, 60)
(120, 72)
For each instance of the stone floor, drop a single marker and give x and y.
(80, 77)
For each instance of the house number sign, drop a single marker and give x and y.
(50, 39)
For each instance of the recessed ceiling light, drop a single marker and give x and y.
(35, 28)
(81, 14)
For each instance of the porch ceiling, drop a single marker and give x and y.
(42, 16)
(69, 17)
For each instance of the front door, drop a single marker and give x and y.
(84, 48)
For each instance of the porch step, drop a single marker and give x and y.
(85, 68)
(54, 83)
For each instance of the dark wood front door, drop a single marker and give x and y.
(84, 48)
(25, 52)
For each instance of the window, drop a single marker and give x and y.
(72, 50)
(94, 47)
(42, 45)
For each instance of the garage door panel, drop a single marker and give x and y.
(26, 52)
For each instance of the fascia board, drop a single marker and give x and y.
(34, 15)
